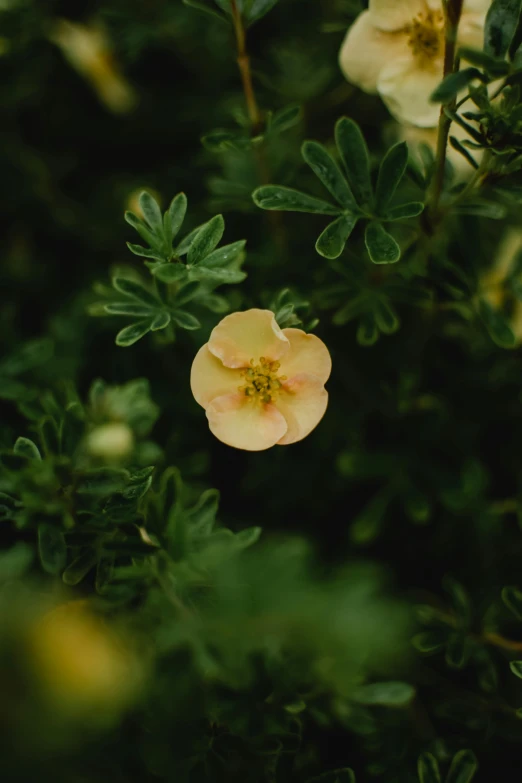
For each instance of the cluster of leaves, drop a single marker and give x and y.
(249, 11)
(497, 125)
(354, 192)
(182, 274)
(82, 511)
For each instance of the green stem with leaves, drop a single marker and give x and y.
(452, 13)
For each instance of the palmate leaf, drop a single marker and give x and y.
(135, 290)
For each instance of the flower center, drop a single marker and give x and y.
(426, 33)
(261, 380)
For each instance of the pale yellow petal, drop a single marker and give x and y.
(307, 354)
(303, 402)
(476, 6)
(244, 423)
(241, 337)
(406, 88)
(395, 14)
(366, 50)
(471, 31)
(210, 379)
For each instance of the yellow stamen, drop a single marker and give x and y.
(427, 35)
(262, 381)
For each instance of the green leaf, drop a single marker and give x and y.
(135, 290)
(389, 694)
(185, 320)
(161, 321)
(151, 212)
(278, 197)
(79, 568)
(382, 247)
(391, 171)
(205, 8)
(170, 273)
(187, 292)
(452, 84)
(463, 767)
(217, 275)
(25, 447)
(385, 317)
(144, 231)
(225, 255)
(257, 9)
(51, 548)
(332, 241)
(145, 252)
(174, 217)
(458, 651)
(497, 325)
(354, 154)
(284, 119)
(429, 642)
(516, 668)
(128, 308)
(495, 67)
(328, 172)
(367, 524)
(512, 597)
(482, 208)
(404, 211)
(501, 24)
(456, 144)
(247, 537)
(459, 599)
(207, 238)
(221, 139)
(428, 769)
(131, 334)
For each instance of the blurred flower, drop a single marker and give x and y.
(396, 49)
(88, 50)
(494, 286)
(83, 668)
(110, 441)
(261, 385)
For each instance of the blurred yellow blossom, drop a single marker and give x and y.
(396, 49)
(260, 385)
(494, 288)
(82, 666)
(89, 51)
(111, 441)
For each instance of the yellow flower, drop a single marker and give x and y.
(261, 385)
(493, 284)
(396, 49)
(82, 666)
(88, 50)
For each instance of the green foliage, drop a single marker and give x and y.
(268, 647)
(352, 189)
(176, 282)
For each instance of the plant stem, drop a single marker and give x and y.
(243, 61)
(452, 13)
